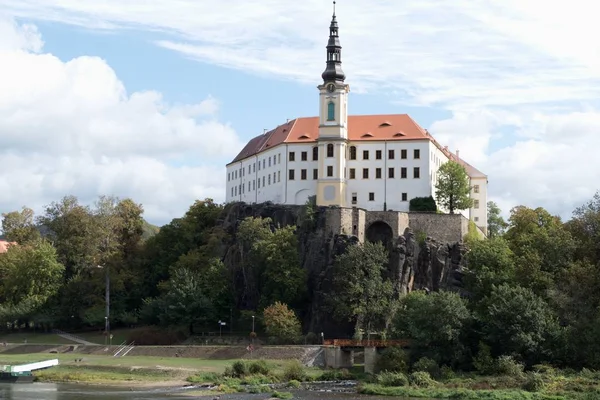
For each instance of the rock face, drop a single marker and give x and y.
(413, 265)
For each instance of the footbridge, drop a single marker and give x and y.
(29, 367)
(339, 353)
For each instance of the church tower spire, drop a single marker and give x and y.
(333, 72)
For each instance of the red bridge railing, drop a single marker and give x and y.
(366, 343)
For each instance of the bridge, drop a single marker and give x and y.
(29, 367)
(339, 353)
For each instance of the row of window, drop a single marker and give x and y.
(404, 197)
(276, 159)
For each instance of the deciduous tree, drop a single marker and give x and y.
(19, 226)
(452, 188)
(496, 224)
(281, 322)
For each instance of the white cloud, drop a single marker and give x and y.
(526, 68)
(72, 128)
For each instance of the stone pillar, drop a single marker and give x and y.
(371, 356)
(330, 356)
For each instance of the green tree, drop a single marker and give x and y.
(452, 188)
(495, 222)
(515, 321)
(489, 262)
(585, 226)
(29, 276)
(19, 226)
(435, 324)
(361, 291)
(281, 322)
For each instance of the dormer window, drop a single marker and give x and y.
(331, 111)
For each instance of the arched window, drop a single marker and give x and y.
(331, 111)
(353, 152)
(329, 150)
(315, 153)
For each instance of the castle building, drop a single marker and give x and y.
(374, 162)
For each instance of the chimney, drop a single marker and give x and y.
(457, 156)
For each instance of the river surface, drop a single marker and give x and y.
(57, 391)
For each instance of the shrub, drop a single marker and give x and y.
(426, 364)
(259, 367)
(544, 369)
(311, 338)
(392, 359)
(506, 365)
(422, 204)
(294, 384)
(294, 371)
(282, 395)
(421, 379)
(484, 362)
(534, 382)
(447, 373)
(239, 369)
(336, 375)
(391, 379)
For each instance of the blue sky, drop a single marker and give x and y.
(147, 100)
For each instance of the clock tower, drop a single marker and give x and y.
(333, 125)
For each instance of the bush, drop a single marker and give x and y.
(392, 359)
(534, 382)
(391, 379)
(311, 338)
(426, 364)
(484, 362)
(421, 379)
(336, 375)
(506, 365)
(544, 369)
(294, 384)
(282, 395)
(239, 369)
(422, 204)
(259, 367)
(294, 371)
(446, 373)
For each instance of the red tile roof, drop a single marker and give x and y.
(360, 128)
(4, 245)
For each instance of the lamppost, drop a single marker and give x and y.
(107, 299)
(253, 333)
(221, 323)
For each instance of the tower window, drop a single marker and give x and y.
(331, 111)
(315, 153)
(353, 152)
(329, 170)
(329, 150)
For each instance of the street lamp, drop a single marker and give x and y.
(253, 323)
(221, 324)
(107, 298)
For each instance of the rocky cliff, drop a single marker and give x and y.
(414, 265)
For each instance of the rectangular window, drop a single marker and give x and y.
(235, 191)
(269, 161)
(416, 172)
(259, 165)
(365, 173)
(476, 189)
(303, 174)
(365, 154)
(353, 152)
(253, 185)
(259, 183)
(292, 156)
(476, 219)
(391, 173)
(378, 154)
(235, 174)
(404, 196)
(304, 156)
(232, 191)
(354, 198)
(249, 188)
(417, 154)
(269, 180)
(254, 167)
(264, 163)
(329, 170)
(371, 196)
(403, 172)
(278, 176)
(377, 173)
(315, 174)
(291, 176)
(279, 158)
(228, 176)
(403, 154)
(315, 153)
(249, 169)
(274, 177)
(352, 173)
(476, 204)
(263, 181)
(391, 154)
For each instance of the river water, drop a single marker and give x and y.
(57, 391)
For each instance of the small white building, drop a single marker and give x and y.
(375, 162)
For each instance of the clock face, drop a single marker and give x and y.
(330, 87)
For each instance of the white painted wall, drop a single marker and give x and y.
(479, 209)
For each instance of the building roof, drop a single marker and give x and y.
(360, 128)
(4, 245)
(391, 127)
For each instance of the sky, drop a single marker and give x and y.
(150, 99)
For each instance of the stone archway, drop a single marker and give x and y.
(380, 231)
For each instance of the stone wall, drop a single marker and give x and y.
(447, 228)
